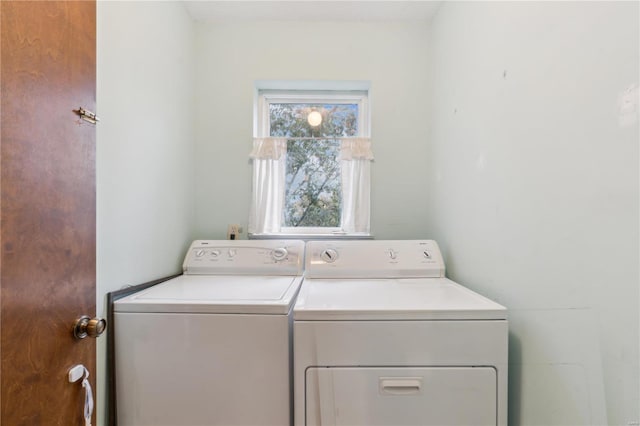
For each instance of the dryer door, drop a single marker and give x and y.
(401, 396)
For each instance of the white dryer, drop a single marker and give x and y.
(212, 346)
(382, 338)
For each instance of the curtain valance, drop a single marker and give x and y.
(356, 149)
(268, 148)
(275, 147)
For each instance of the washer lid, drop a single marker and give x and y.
(392, 299)
(215, 294)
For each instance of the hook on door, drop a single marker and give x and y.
(87, 115)
(76, 373)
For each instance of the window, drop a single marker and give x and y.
(311, 161)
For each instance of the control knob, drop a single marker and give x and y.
(279, 254)
(329, 255)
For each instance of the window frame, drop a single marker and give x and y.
(262, 128)
(267, 96)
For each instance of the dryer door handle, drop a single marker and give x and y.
(400, 385)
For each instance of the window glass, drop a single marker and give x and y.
(313, 186)
(313, 190)
(292, 120)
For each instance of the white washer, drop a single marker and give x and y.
(212, 346)
(381, 337)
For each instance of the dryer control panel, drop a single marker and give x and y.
(244, 257)
(374, 259)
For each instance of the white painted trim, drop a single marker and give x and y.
(321, 92)
(263, 97)
(314, 85)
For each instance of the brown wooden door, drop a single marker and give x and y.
(47, 208)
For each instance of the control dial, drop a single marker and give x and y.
(279, 254)
(329, 255)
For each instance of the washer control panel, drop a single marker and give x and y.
(245, 257)
(373, 259)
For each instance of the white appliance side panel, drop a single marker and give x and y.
(400, 343)
(202, 369)
(430, 396)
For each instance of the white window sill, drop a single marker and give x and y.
(312, 236)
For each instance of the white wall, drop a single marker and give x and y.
(145, 147)
(232, 56)
(533, 194)
(527, 178)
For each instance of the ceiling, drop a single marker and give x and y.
(311, 10)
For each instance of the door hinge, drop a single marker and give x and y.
(87, 115)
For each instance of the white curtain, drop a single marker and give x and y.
(356, 156)
(267, 198)
(269, 166)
